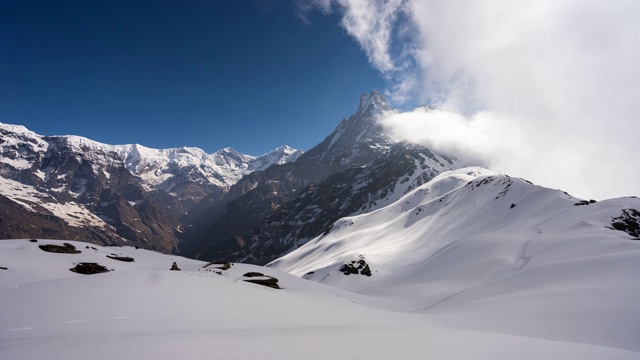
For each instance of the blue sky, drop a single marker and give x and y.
(249, 74)
(521, 82)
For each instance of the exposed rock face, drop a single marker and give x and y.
(66, 248)
(261, 279)
(16, 222)
(629, 222)
(356, 267)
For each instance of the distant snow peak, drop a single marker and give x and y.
(229, 151)
(278, 156)
(16, 129)
(153, 167)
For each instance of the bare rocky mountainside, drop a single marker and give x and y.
(68, 187)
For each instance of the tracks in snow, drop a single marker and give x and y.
(445, 299)
(522, 260)
(70, 322)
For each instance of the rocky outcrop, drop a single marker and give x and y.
(66, 248)
(261, 279)
(89, 268)
(629, 222)
(356, 267)
(121, 258)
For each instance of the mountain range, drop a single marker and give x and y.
(75, 188)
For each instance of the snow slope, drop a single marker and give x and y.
(141, 310)
(32, 199)
(479, 250)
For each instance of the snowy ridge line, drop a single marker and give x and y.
(154, 166)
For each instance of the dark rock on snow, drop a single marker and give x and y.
(224, 266)
(66, 248)
(89, 268)
(253, 274)
(267, 281)
(355, 267)
(629, 222)
(120, 258)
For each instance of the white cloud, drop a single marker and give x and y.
(549, 89)
(371, 23)
(374, 25)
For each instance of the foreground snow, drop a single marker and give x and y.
(141, 310)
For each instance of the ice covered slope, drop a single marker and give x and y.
(142, 310)
(491, 252)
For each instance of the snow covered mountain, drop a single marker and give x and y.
(472, 246)
(154, 168)
(278, 156)
(230, 226)
(114, 192)
(356, 190)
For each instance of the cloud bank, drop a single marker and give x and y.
(548, 90)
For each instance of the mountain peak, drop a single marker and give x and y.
(15, 128)
(277, 156)
(227, 150)
(373, 98)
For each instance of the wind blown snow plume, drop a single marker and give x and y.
(546, 90)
